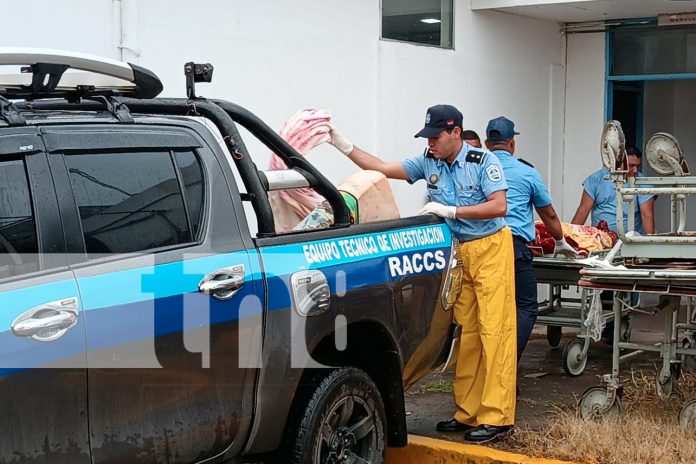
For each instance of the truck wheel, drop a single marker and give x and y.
(343, 421)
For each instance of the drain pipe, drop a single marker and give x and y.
(125, 26)
(116, 29)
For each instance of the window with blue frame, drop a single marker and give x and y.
(638, 51)
(653, 50)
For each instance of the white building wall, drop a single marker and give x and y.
(584, 115)
(275, 57)
(685, 119)
(81, 25)
(669, 108)
(502, 65)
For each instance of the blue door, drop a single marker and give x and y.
(627, 107)
(164, 279)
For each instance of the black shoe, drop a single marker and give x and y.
(453, 425)
(484, 433)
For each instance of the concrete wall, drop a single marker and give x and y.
(584, 116)
(669, 108)
(502, 65)
(275, 57)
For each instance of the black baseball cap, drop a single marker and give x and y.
(439, 118)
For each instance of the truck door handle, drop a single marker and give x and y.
(47, 322)
(223, 283)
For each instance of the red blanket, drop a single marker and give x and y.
(544, 244)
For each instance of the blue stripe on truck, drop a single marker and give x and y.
(138, 304)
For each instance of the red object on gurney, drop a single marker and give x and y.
(584, 239)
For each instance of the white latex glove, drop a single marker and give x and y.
(439, 209)
(562, 248)
(340, 142)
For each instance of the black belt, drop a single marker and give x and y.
(462, 240)
(519, 238)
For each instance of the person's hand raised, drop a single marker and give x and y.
(341, 143)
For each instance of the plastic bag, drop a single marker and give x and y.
(595, 322)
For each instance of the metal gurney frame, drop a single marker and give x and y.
(559, 311)
(663, 264)
(671, 285)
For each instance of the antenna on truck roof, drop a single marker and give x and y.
(49, 80)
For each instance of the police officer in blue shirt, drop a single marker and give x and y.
(467, 187)
(526, 192)
(599, 198)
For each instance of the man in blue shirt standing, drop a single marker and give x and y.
(599, 198)
(467, 187)
(526, 192)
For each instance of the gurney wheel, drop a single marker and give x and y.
(553, 335)
(688, 362)
(687, 414)
(574, 361)
(593, 404)
(664, 389)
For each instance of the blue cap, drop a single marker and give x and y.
(500, 129)
(439, 118)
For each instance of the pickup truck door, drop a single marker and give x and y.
(165, 280)
(43, 378)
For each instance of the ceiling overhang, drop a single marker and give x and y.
(572, 11)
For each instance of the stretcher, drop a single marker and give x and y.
(560, 310)
(676, 349)
(661, 264)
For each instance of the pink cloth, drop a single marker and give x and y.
(306, 129)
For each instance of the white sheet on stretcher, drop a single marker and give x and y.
(605, 261)
(596, 262)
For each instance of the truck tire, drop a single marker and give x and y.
(340, 417)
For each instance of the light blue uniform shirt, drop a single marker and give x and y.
(603, 192)
(473, 176)
(526, 190)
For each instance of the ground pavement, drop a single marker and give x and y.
(542, 381)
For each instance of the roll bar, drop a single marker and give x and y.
(47, 68)
(224, 115)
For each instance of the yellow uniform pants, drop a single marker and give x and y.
(485, 376)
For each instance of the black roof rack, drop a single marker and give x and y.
(49, 80)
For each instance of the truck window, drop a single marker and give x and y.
(18, 244)
(192, 179)
(133, 201)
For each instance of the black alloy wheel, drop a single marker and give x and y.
(342, 421)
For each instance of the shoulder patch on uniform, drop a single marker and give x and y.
(493, 173)
(525, 162)
(474, 156)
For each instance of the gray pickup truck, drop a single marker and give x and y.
(141, 320)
